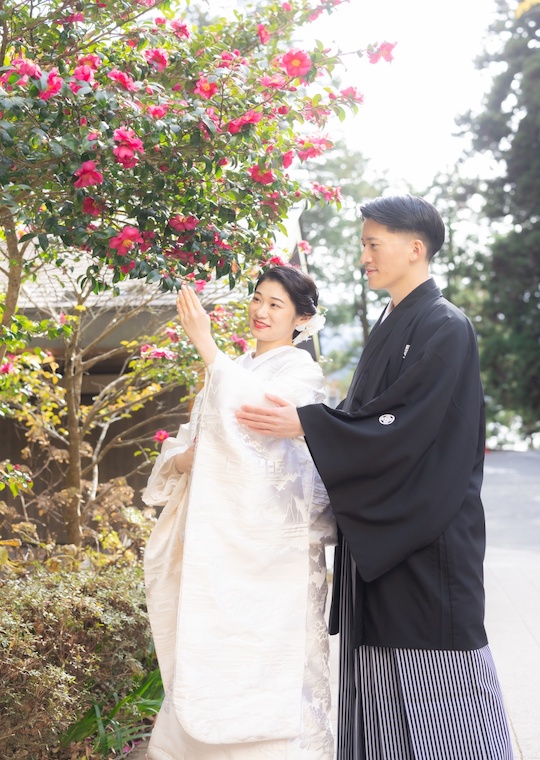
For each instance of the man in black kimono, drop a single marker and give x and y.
(402, 460)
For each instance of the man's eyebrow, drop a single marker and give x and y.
(371, 238)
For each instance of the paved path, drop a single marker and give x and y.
(512, 575)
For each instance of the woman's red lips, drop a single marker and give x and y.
(259, 325)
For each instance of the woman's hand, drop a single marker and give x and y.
(184, 461)
(195, 322)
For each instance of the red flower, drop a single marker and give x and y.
(26, 68)
(383, 51)
(92, 207)
(128, 146)
(263, 177)
(240, 342)
(311, 147)
(250, 117)
(88, 175)
(264, 34)
(157, 57)
(123, 79)
(125, 240)
(7, 367)
(180, 29)
(160, 436)
(183, 223)
(126, 268)
(54, 85)
(296, 62)
(287, 159)
(157, 112)
(84, 73)
(94, 61)
(275, 82)
(353, 93)
(205, 88)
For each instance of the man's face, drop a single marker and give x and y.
(387, 258)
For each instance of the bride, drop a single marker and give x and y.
(235, 567)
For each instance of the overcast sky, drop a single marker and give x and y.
(406, 123)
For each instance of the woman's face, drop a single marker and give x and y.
(272, 316)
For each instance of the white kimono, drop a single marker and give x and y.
(236, 576)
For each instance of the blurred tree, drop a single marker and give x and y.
(333, 239)
(508, 129)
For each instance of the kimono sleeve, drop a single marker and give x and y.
(398, 470)
(164, 477)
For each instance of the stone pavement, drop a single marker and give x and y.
(512, 577)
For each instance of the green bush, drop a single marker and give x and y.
(70, 640)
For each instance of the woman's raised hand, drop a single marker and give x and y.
(195, 322)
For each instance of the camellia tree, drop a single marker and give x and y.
(158, 148)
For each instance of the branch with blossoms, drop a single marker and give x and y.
(105, 147)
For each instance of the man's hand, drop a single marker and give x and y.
(281, 422)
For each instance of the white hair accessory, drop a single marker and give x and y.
(309, 328)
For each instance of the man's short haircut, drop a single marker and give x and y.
(408, 213)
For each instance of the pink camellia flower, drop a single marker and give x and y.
(205, 88)
(274, 82)
(54, 85)
(240, 342)
(94, 61)
(277, 261)
(72, 19)
(157, 112)
(88, 175)
(183, 223)
(296, 62)
(92, 207)
(287, 159)
(304, 246)
(126, 268)
(148, 239)
(286, 7)
(153, 352)
(180, 29)
(125, 240)
(160, 436)
(123, 79)
(250, 117)
(160, 20)
(264, 34)
(263, 177)
(353, 93)
(331, 194)
(311, 147)
(7, 367)
(157, 57)
(24, 67)
(127, 148)
(84, 73)
(384, 51)
(172, 335)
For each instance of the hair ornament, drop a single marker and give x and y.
(309, 328)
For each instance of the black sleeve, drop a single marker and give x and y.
(398, 470)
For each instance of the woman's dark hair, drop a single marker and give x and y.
(408, 213)
(299, 286)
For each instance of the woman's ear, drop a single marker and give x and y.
(304, 318)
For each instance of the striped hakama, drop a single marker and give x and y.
(415, 704)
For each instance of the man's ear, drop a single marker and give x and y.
(418, 249)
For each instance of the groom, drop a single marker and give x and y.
(402, 460)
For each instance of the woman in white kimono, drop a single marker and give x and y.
(235, 567)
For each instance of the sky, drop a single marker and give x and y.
(406, 123)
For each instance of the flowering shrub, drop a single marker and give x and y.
(116, 121)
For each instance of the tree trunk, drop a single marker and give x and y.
(73, 491)
(14, 259)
